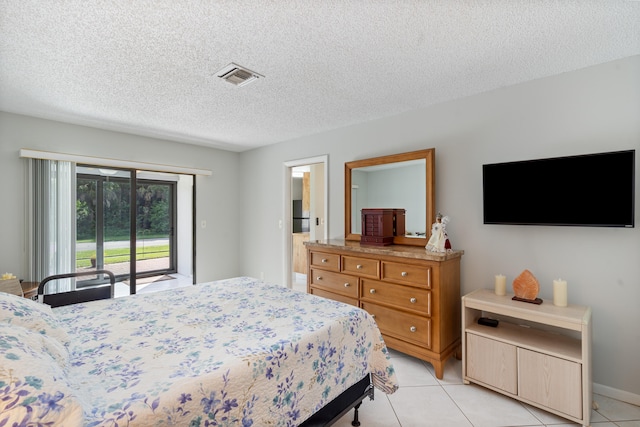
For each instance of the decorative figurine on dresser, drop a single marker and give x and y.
(412, 293)
(439, 240)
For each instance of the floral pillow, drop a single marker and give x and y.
(32, 315)
(34, 389)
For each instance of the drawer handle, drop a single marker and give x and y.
(372, 291)
(325, 260)
(319, 278)
(413, 300)
(346, 285)
(412, 329)
(359, 266)
(404, 274)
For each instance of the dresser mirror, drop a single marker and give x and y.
(404, 181)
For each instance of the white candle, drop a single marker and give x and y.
(501, 284)
(560, 293)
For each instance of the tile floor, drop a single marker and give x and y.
(122, 289)
(422, 400)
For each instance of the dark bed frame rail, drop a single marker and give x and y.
(80, 295)
(338, 407)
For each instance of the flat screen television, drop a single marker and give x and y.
(592, 190)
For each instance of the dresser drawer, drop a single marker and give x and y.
(335, 282)
(325, 260)
(403, 297)
(333, 296)
(406, 273)
(407, 327)
(361, 266)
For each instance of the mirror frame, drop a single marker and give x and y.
(429, 156)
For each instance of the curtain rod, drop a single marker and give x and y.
(101, 161)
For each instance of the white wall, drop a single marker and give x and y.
(591, 110)
(216, 198)
(586, 111)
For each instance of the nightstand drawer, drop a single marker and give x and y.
(403, 297)
(407, 274)
(361, 266)
(335, 282)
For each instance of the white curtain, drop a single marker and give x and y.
(52, 217)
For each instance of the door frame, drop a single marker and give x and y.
(287, 215)
(136, 176)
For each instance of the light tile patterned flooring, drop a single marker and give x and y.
(422, 400)
(122, 289)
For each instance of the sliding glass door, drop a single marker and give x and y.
(111, 220)
(155, 227)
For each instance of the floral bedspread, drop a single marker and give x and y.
(236, 352)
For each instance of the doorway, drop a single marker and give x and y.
(306, 213)
(133, 238)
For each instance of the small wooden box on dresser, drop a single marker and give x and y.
(539, 354)
(413, 294)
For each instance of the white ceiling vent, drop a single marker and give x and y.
(237, 75)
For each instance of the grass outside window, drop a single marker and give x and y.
(117, 255)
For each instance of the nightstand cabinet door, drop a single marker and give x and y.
(492, 362)
(551, 381)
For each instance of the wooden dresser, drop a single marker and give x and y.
(413, 294)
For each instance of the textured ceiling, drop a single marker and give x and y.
(148, 67)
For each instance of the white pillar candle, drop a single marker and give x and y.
(560, 293)
(501, 284)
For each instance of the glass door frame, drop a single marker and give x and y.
(99, 232)
(173, 247)
(133, 208)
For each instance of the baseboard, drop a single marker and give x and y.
(621, 395)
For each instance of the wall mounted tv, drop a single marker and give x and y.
(593, 190)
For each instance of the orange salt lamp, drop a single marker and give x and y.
(526, 288)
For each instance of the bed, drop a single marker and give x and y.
(236, 352)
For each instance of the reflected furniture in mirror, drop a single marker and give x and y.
(405, 181)
(413, 294)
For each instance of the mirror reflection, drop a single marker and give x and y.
(393, 185)
(398, 181)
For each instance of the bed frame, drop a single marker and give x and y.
(80, 295)
(351, 398)
(338, 407)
